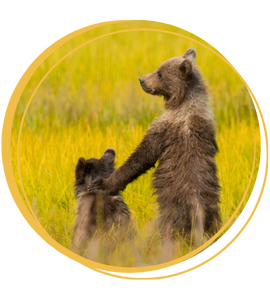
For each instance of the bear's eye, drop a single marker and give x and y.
(159, 74)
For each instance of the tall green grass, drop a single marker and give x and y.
(92, 100)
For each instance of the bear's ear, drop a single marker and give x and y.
(81, 162)
(190, 54)
(185, 68)
(80, 167)
(108, 156)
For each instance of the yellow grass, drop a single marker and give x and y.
(92, 100)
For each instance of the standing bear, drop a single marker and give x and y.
(183, 141)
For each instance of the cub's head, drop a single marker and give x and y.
(170, 76)
(91, 169)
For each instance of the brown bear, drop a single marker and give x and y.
(183, 141)
(97, 213)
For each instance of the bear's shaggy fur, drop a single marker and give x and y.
(97, 213)
(183, 141)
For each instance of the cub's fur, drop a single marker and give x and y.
(183, 140)
(96, 213)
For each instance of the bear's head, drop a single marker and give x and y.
(172, 76)
(91, 169)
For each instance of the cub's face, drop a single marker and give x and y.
(168, 78)
(91, 169)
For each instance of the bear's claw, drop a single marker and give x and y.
(95, 186)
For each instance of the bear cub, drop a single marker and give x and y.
(96, 213)
(183, 141)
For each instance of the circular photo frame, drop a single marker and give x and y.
(85, 94)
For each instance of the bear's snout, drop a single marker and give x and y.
(141, 80)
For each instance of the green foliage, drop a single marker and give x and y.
(92, 100)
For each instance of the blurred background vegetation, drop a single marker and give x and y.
(92, 100)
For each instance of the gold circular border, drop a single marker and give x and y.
(31, 218)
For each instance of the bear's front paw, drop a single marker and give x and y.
(96, 186)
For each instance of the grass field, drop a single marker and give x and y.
(92, 100)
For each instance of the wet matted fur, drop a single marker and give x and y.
(183, 141)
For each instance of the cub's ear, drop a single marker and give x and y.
(190, 54)
(185, 68)
(81, 162)
(80, 167)
(108, 156)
